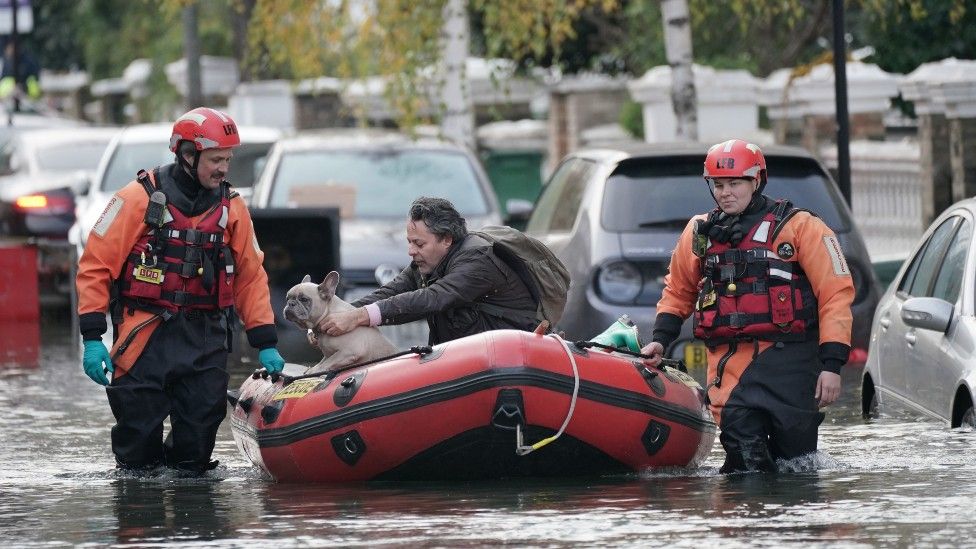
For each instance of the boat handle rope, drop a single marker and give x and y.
(286, 379)
(675, 363)
(525, 449)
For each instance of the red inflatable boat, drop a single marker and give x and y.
(499, 404)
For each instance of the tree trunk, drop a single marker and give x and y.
(457, 121)
(677, 47)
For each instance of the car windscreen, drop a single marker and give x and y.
(376, 183)
(667, 192)
(71, 156)
(129, 158)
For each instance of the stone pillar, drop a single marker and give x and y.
(559, 139)
(66, 92)
(934, 163)
(263, 103)
(219, 77)
(959, 97)
(962, 147)
(727, 104)
(578, 103)
(810, 98)
(945, 103)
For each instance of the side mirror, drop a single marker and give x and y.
(519, 210)
(928, 313)
(81, 184)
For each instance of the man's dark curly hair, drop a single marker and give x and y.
(440, 217)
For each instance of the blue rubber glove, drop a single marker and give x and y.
(271, 360)
(97, 361)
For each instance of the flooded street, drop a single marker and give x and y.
(896, 481)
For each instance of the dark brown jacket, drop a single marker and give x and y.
(449, 297)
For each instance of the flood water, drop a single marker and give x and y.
(893, 482)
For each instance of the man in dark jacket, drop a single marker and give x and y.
(455, 281)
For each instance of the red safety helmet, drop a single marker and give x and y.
(736, 158)
(207, 128)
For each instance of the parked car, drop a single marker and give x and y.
(372, 176)
(41, 172)
(614, 217)
(924, 329)
(145, 146)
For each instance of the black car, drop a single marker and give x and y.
(614, 217)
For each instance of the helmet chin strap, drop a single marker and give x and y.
(191, 168)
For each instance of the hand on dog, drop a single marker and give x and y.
(344, 322)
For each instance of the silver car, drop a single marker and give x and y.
(372, 176)
(923, 340)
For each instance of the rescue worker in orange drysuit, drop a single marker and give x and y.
(174, 252)
(771, 296)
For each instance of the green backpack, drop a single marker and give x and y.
(539, 269)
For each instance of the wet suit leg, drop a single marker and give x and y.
(772, 414)
(198, 391)
(182, 374)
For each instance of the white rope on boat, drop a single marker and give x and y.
(523, 449)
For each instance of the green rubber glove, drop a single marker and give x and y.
(271, 360)
(97, 361)
(622, 334)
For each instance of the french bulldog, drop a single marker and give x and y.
(307, 303)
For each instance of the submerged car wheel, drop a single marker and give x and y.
(968, 419)
(869, 399)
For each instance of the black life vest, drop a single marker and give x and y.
(179, 266)
(748, 291)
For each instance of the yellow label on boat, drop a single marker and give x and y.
(298, 389)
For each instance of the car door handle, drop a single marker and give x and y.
(910, 338)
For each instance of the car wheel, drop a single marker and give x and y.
(968, 419)
(869, 399)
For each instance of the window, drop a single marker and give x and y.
(949, 282)
(377, 183)
(923, 269)
(562, 197)
(665, 192)
(128, 158)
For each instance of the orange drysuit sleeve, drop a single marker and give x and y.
(684, 273)
(111, 239)
(252, 296)
(821, 258)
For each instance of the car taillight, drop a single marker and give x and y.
(44, 204)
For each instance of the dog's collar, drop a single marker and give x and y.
(315, 326)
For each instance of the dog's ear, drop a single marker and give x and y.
(308, 278)
(328, 286)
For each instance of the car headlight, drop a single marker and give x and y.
(619, 282)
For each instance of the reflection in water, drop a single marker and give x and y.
(894, 481)
(147, 510)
